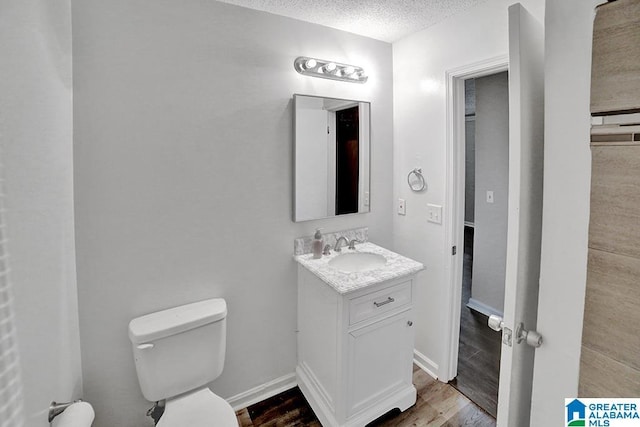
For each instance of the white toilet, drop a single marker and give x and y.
(177, 353)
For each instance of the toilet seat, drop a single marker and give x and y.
(201, 408)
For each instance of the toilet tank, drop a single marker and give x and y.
(179, 349)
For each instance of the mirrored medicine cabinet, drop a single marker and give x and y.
(331, 157)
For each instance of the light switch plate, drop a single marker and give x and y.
(489, 196)
(402, 207)
(434, 214)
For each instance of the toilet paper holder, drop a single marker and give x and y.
(56, 409)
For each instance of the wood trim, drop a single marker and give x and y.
(454, 198)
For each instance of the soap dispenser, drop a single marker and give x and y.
(317, 244)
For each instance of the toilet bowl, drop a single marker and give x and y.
(177, 352)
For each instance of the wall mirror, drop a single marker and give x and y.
(332, 161)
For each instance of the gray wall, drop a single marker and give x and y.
(36, 137)
(183, 177)
(492, 173)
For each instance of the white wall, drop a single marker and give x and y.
(36, 137)
(567, 174)
(491, 174)
(419, 65)
(183, 128)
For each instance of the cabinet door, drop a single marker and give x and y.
(380, 359)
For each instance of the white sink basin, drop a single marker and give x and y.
(357, 261)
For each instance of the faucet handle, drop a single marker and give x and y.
(352, 244)
(326, 250)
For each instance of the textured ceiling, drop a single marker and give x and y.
(387, 20)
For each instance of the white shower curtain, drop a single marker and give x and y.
(11, 401)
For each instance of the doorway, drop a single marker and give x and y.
(347, 160)
(486, 178)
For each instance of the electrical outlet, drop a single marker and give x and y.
(402, 207)
(489, 196)
(434, 214)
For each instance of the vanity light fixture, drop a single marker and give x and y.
(329, 70)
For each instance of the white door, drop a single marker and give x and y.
(526, 131)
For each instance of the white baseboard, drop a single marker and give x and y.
(425, 363)
(483, 308)
(263, 391)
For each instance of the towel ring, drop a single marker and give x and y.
(418, 185)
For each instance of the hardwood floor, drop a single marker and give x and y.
(479, 353)
(438, 404)
(288, 408)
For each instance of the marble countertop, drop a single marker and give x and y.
(344, 282)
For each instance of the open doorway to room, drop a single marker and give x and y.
(485, 237)
(347, 160)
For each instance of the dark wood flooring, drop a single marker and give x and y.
(438, 404)
(479, 354)
(288, 408)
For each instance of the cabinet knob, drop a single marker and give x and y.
(410, 323)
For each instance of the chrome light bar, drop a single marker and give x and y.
(329, 70)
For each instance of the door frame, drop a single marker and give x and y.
(454, 196)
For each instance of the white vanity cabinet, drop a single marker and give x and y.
(355, 349)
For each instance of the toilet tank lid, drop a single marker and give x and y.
(175, 320)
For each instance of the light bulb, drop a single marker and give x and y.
(330, 66)
(310, 63)
(348, 70)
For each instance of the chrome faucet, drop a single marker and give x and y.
(337, 247)
(350, 244)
